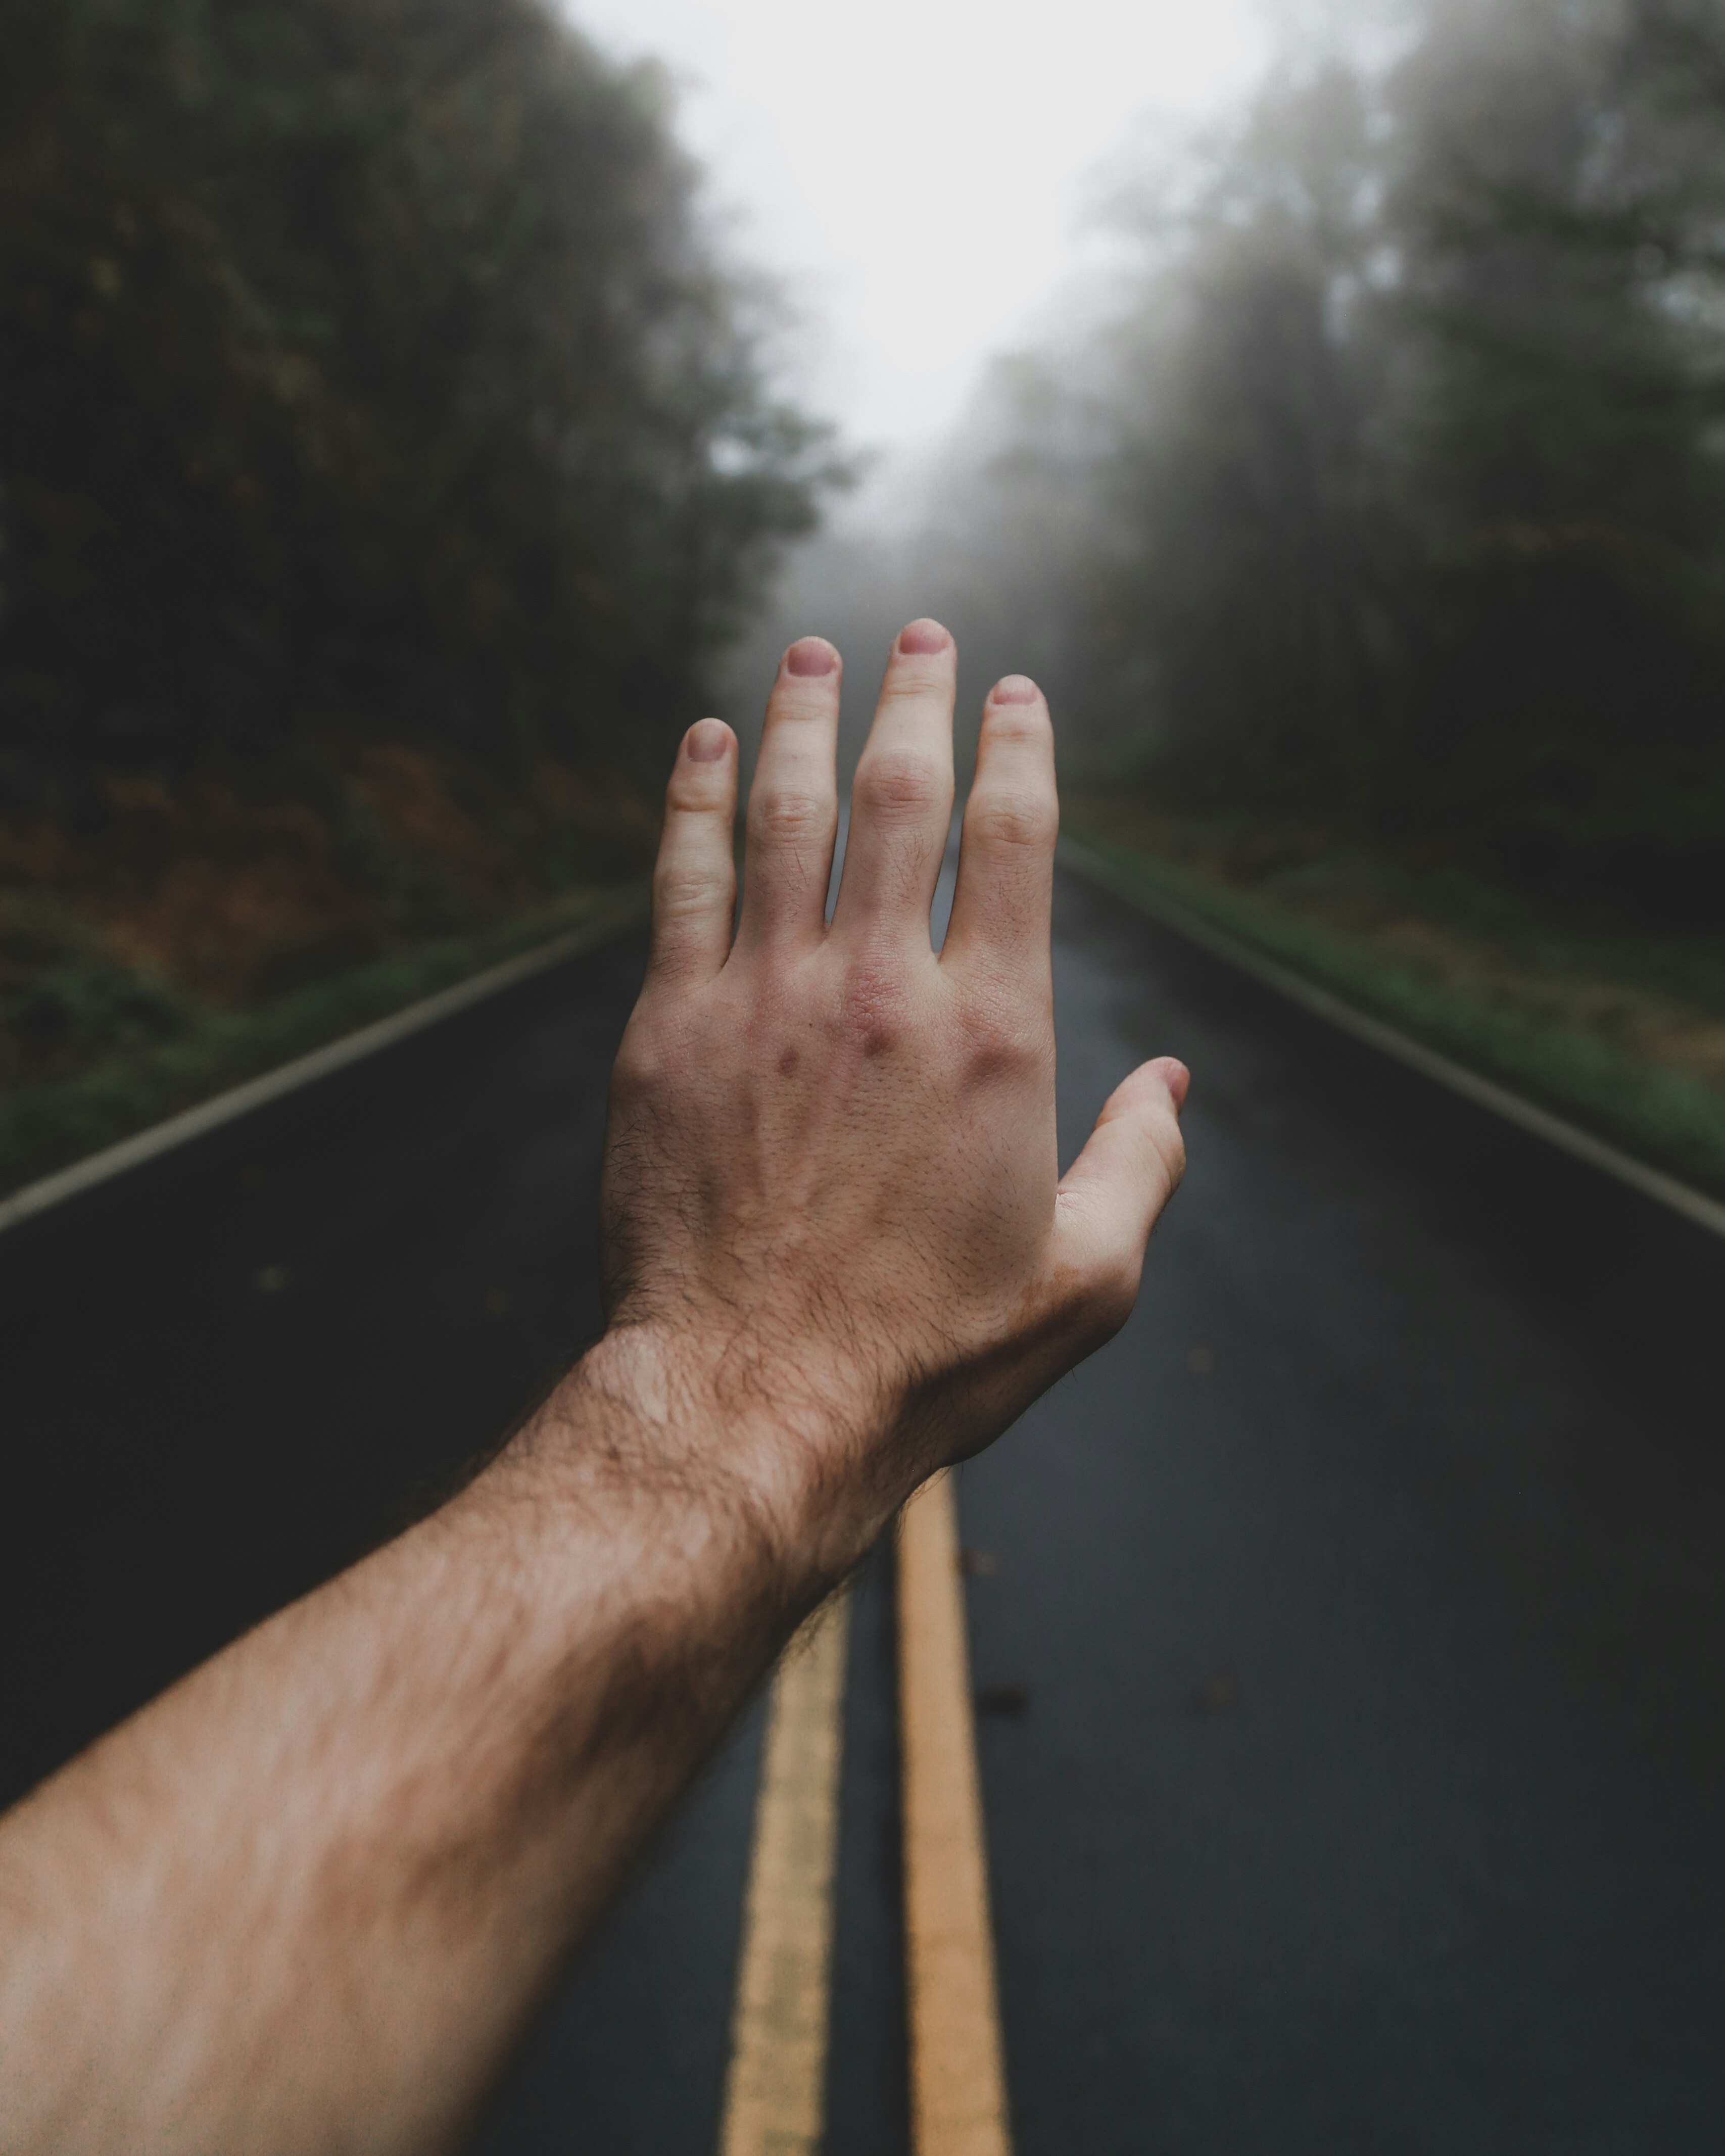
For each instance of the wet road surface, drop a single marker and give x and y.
(1368, 1605)
(1349, 1637)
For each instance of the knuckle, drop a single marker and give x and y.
(800, 697)
(874, 1008)
(698, 789)
(1092, 1297)
(681, 889)
(1004, 1038)
(1115, 1289)
(1163, 1149)
(1018, 726)
(1015, 820)
(781, 816)
(640, 1058)
(1003, 1056)
(1109, 1291)
(899, 785)
(1173, 1149)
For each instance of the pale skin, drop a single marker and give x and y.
(306, 1899)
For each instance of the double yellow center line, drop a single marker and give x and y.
(774, 2090)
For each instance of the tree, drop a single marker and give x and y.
(363, 359)
(1555, 444)
(1244, 475)
(1401, 499)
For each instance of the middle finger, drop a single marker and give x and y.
(901, 799)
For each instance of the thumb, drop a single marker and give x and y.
(1110, 1198)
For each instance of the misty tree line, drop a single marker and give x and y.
(1394, 494)
(364, 361)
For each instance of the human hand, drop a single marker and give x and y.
(832, 1202)
(341, 1862)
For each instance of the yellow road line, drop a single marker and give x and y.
(959, 2104)
(776, 2085)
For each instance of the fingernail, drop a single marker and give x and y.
(1179, 1080)
(707, 740)
(923, 636)
(810, 655)
(1016, 688)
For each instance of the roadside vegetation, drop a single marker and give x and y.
(1620, 1030)
(1370, 532)
(389, 454)
(212, 924)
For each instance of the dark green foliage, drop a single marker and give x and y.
(362, 360)
(1250, 483)
(1403, 472)
(1559, 465)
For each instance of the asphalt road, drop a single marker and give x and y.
(1349, 1637)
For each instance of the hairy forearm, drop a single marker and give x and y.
(304, 1900)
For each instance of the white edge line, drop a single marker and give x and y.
(1169, 913)
(306, 1070)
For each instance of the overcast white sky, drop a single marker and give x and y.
(917, 169)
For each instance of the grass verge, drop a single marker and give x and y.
(1625, 1035)
(48, 1123)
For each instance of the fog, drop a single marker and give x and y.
(916, 172)
(1327, 406)
(1378, 477)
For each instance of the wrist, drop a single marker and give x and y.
(782, 1463)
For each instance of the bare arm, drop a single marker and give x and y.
(305, 1900)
